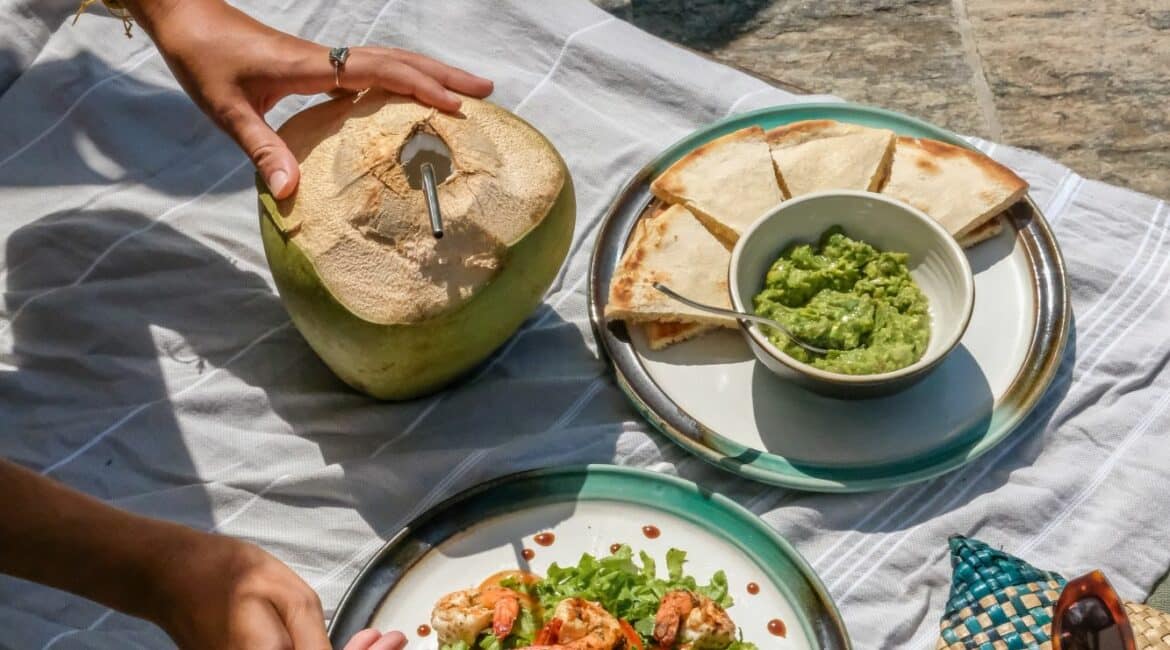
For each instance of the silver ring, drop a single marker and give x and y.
(338, 56)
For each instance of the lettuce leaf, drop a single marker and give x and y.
(523, 633)
(625, 589)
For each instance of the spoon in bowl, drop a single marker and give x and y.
(740, 315)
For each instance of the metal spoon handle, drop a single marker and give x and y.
(740, 315)
(430, 188)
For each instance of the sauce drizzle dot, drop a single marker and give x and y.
(614, 548)
(528, 554)
(777, 628)
(545, 539)
(753, 588)
(424, 630)
(651, 532)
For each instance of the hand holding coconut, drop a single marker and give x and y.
(207, 590)
(396, 300)
(393, 308)
(236, 69)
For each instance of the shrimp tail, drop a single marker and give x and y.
(666, 625)
(672, 612)
(505, 613)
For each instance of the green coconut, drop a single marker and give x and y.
(393, 311)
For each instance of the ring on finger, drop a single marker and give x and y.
(337, 57)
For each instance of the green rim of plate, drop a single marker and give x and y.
(1045, 351)
(776, 558)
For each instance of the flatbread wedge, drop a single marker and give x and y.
(727, 183)
(983, 233)
(660, 334)
(675, 249)
(816, 155)
(960, 188)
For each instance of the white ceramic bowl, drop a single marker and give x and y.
(937, 263)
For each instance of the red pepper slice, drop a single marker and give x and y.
(633, 640)
(549, 633)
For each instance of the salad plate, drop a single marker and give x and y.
(713, 398)
(535, 520)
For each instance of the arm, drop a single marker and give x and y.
(204, 590)
(45, 524)
(236, 69)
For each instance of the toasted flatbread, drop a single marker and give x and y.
(660, 334)
(816, 155)
(982, 233)
(960, 188)
(727, 183)
(675, 249)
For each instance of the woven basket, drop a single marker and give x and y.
(1151, 627)
(997, 601)
(1000, 602)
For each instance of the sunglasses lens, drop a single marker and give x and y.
(1087, 625)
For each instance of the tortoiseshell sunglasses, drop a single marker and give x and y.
(1090, 616)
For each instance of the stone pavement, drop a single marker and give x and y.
(1083, 81)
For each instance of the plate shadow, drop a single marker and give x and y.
(947, 411)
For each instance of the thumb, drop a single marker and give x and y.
(271, 156)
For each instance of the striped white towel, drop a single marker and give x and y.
(145, 358)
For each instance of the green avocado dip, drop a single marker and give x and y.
(849, 298)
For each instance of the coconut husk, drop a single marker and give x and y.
(366, 230)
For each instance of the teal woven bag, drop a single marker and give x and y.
(997, 601)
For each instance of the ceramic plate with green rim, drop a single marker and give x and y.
(714, 399)
(486, 529)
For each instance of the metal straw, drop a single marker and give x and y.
(432, 192)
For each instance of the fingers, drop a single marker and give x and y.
(454, 78)
(371, 639)
(272, 158)
(301, 611)
(363, 640)
(398, 71)
(391, 641)
(256, 626)
(378, 70)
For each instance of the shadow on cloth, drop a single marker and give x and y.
(171, 139)
(112, 383)
(48, 14)
(88, 354)
(704, 24)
